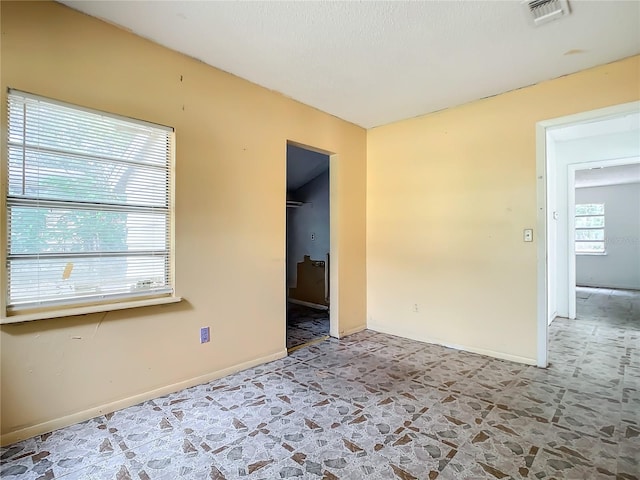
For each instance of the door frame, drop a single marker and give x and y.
(334, 315)
(571, 206)
(542, 193)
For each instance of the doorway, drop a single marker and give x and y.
(308, 246)
(564, 146)
(605, 196)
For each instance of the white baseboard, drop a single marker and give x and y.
(482, 351)
(56, 423)
(351, 331)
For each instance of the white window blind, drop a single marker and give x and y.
(88, 206)
(590, 228)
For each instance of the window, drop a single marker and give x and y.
(590, 228)
(88, 205)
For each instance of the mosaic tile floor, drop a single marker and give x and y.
(376, 406)
(305, 324)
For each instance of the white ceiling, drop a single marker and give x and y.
(598, 177)
(373, 63)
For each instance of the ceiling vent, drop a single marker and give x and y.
(544, 11)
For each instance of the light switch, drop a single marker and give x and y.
(528, 235)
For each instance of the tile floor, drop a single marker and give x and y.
(305, 324)
(381, 407)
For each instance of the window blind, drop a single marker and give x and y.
(589, 228)
(88, 205)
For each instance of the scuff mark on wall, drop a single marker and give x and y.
(98, 324)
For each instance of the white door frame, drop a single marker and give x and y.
(542, 168)
(571, 204)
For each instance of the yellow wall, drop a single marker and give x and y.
(230, 221)
(448, 195)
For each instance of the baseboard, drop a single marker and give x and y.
(614, 287)
(307, 304)
(346, 333)
(482, 351)
(56, 423)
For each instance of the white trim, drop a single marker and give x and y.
(327, 272)
(400, 332)
(172, 212)
(346, 333)
(543, 275)
(542, 199)
(54, 424)
(334, 250)
(591, 115)
(4, 153)
(571, 239)
(104, 307)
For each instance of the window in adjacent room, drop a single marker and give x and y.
(88, 204)
(590, 228)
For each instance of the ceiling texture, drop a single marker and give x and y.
(373, 63)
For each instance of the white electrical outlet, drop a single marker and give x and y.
(415, 308)
(528, 235)
(313, 236)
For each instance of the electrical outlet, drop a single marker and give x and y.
(415, 308)
(204, 335)
(313, 236)
(528, 235)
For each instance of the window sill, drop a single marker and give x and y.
(84, 310)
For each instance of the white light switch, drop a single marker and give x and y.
(528, 235)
